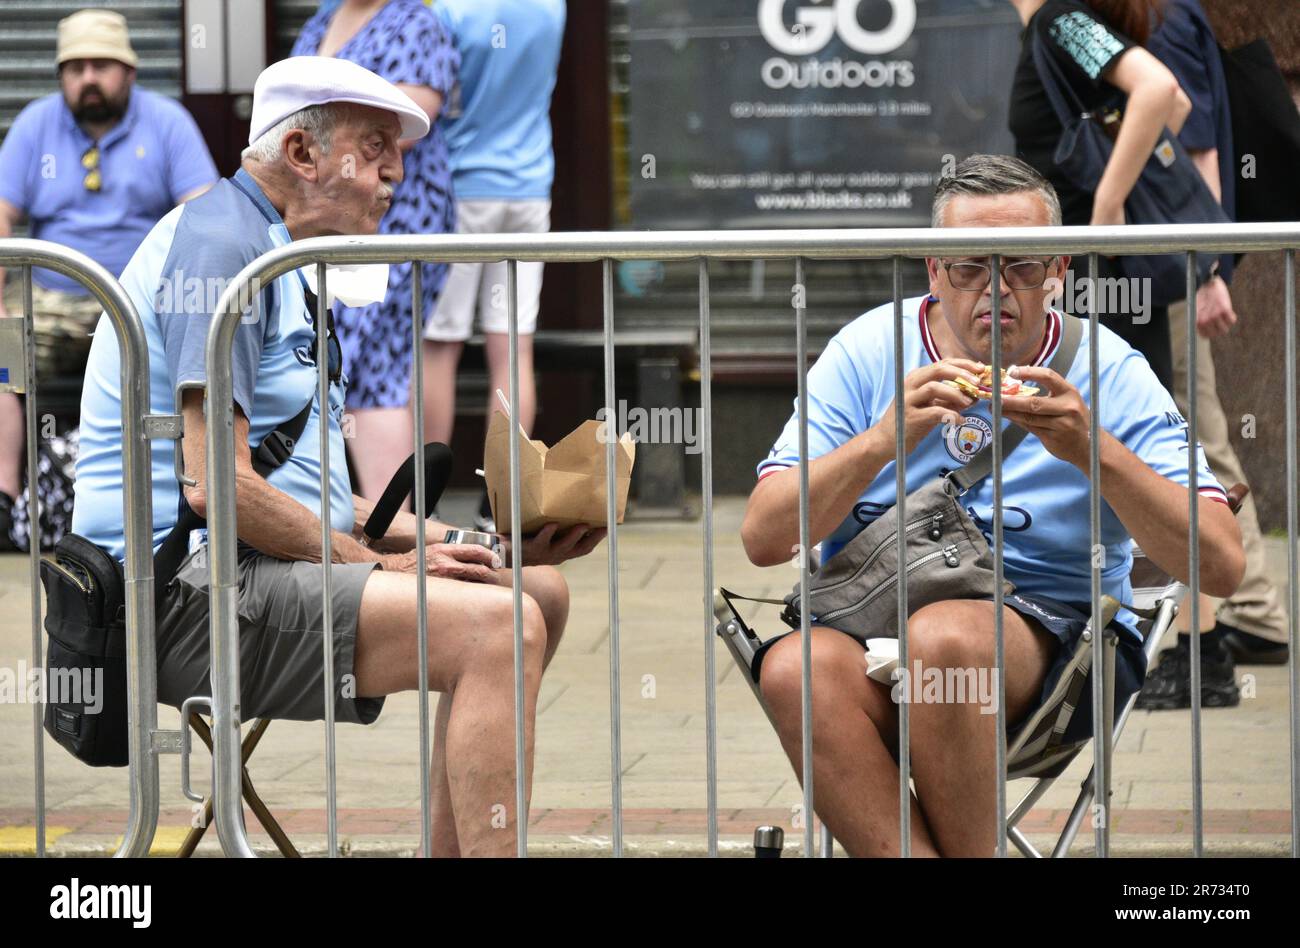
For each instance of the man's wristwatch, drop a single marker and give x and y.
(1214, 272)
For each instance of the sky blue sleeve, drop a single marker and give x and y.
(836, 410)
(17, 155)
(196, 271)
(1141, 414)
(189, 164)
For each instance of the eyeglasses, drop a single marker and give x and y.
(90, 161)
(334, 351)
(1017, 274)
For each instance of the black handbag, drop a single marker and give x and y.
(85, 661)
(1169, 190)
(86, 706)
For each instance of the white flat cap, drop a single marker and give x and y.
(301, 81)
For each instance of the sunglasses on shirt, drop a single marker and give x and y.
(93, 181)
(334, 351)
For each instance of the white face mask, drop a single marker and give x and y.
(352, 284)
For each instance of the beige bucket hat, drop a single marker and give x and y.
(95, 34)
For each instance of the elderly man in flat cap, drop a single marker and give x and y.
(323, 160)
(92, 167)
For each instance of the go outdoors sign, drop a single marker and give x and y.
(806, 113)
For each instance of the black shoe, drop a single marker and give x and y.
(7, 544)
(1169, 686)
(1250, 649)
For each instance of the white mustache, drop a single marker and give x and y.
(385, 192)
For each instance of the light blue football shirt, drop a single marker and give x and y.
(1045, 500)
(498, 124)
(174, 280)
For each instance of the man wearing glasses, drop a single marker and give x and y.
(851, 475)
(92, 167)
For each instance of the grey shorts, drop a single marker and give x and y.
(281, 665)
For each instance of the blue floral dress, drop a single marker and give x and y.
(403, 42)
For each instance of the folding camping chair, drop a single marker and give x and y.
(1037, 752)
(260, 809)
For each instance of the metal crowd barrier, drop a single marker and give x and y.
(798, 245)
(137, 496)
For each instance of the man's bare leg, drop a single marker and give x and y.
(954, 752)
(442, 815)
(472, 659)
(547, 586)
(855, 776)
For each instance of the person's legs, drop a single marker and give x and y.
(471, 659)
(497, 348)
(952, 746)
(452, 321)
(440, 361)
(953, 742)
(13, 432)
(13, 429)
(855, 776)
(547, 587)
(1255, 607)
(380, 439)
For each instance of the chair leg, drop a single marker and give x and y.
(1110, 643)
(1041, 786)
(1024, 845)
(260, 810)
(1080, 810)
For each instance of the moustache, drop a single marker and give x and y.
(385, 192)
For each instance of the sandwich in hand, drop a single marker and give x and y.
(1010, 386)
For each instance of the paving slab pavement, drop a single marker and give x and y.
(663, 636)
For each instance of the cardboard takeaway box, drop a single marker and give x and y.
(564, 484)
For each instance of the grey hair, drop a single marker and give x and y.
(319, 120)
(993, 174)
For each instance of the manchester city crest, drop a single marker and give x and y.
(964, 440)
